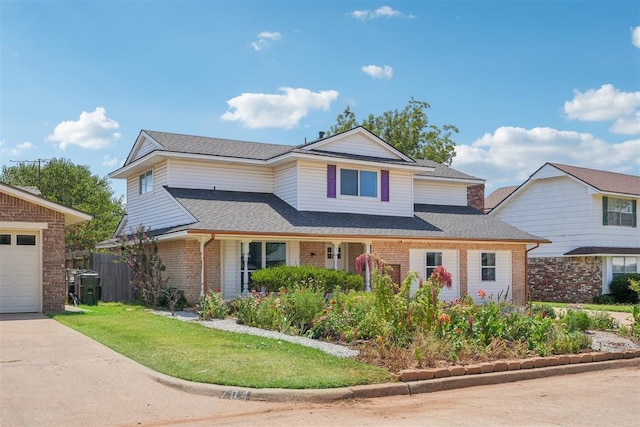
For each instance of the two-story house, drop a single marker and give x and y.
(222, 209)
(591, 218)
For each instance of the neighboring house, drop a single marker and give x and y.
(497, 196)
(591, 218)
(32, 250)
(222, 209)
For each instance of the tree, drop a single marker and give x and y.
(408, 130)
(71, 185)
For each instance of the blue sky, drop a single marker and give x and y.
(526, 82)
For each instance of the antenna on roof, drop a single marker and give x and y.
(38, 161)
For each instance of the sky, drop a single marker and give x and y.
(526, 82)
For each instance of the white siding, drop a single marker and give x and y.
(418, 262)
(156, 209)
(229, 177)
(362, 145)
(313, 193)
(439, 193)
(495, 288)
(285, 184)
(230, 269)
(145, 148)
(563, 211)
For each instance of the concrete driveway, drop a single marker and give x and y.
(51, 375)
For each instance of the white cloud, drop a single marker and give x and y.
(260, 110)
(381, 12)
(378, 72)
(509, 155)
(265, 38)
(604, 104)
(93, 130)
(635, 36)
(109, 161)
(16, 150)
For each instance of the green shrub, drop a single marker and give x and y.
(604, 299)
(302, 305)
(564, 342)
(576, 320)
(273, 279)
(620, 288)
(172, 298)
(545, 310)
(601, 320)
(212, 306)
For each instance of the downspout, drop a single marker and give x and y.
(526, 272)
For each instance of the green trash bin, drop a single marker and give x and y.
(89, 288)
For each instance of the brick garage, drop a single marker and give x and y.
(32, 274)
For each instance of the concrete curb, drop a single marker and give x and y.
(389, 389)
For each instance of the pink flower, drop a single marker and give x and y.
(482, 293)
(444, 318)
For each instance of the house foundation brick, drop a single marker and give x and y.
(313, 254)
(565, 279)
(183, 266)
(52, 246)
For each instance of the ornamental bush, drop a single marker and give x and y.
(620, 288)
(273, 279)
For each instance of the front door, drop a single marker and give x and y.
(342, 256)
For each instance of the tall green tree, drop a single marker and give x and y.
(408, 130)
(71, 185)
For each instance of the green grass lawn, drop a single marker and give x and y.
(193, 352)
(622, 308)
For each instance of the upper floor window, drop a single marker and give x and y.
(624, 265)
(358, 183)
(620, 212)
(488, 266)
(145, 182)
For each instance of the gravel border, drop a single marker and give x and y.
(232, 326)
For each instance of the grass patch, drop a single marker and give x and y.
(193, 352)
(621, 308)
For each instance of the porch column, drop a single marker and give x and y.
(336, 248)
(244, 289)
(367, 272)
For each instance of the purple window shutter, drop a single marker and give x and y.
(331, 181)
(384, 185)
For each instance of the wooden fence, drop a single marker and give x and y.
(114, 277)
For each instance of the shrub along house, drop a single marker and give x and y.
(222, 209)
(591, 218)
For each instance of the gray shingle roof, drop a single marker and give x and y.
(442, 171)
(602, 250)
(603, 180)
(230, 211)
(218, 147)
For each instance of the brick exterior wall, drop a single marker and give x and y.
(354, 250)
(52, 245)
(183, 266)
(565, 279)
(398, 253)
(475, 197)
(317, 248)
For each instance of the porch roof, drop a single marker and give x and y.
(264, 213)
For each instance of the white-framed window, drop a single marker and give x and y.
(488, 263)
(330, 252)
(433, 260)
(263, 255)
(145, 182)
(624, 265)
(621, 212)
(361, 183)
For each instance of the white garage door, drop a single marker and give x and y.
(20, 277)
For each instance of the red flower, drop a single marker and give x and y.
(442, 276)
(482, 293)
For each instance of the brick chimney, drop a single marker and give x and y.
(475, 197)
